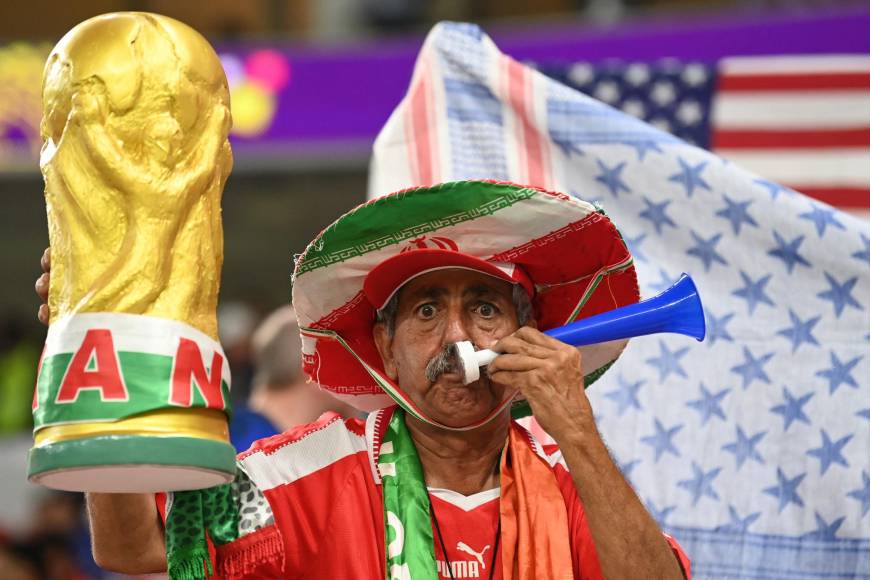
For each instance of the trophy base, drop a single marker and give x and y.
(132, 464)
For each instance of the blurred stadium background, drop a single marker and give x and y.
(312, 83)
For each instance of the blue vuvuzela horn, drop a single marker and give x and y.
(676, 310)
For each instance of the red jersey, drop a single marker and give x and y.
(314, 492)
(468, 526)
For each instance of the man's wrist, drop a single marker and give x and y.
(581, 436)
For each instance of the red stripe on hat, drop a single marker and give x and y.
(843, 197)
(791, 82)
(791, 139)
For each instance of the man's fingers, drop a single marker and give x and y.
(525, 339)
(535, 336)
(513, 363)
(41, 286)
(517, 345)
(518, 380)
(43, 314)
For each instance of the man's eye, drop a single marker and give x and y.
(426, 311)
(487, 310)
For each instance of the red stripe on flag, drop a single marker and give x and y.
(422, 136)
(842, 197)
(531, 154)
(770, 139)
(410, 132)
(432, 131)
(789, 82)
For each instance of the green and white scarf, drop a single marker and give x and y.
(194, 517)
(408, 524)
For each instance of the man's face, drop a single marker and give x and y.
(435, 310)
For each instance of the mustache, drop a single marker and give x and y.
(444, 362)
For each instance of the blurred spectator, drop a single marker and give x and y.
(236, 322)
(19, 358)
(281, 397)
(16, 563)
(55, 547)
(60, 539)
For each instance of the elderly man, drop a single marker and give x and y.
(438, 482)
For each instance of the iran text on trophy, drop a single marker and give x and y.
(133, 389)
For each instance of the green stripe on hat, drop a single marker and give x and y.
(392, 219)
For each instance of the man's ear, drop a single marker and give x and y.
(384, 344)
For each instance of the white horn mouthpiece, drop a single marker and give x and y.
(471, 360)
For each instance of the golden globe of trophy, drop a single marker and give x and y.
(133, 388)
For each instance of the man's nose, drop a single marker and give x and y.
(456, 329)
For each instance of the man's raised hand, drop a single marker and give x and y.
(42, 286)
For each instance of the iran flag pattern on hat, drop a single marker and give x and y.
(570, 250)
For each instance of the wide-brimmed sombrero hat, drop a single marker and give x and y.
(564, 251)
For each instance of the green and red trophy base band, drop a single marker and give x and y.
(128, 403)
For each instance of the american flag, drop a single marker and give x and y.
(752, 447)
(799, 121)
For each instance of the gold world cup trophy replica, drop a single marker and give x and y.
(133, 388)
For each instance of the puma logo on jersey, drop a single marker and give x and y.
(463, 547)
(459, 569)
(464, 568)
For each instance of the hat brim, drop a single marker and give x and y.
(574, 258)
(393, 273)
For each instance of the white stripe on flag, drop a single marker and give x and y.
(835, 109)
(772, 65)
(807, 167)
